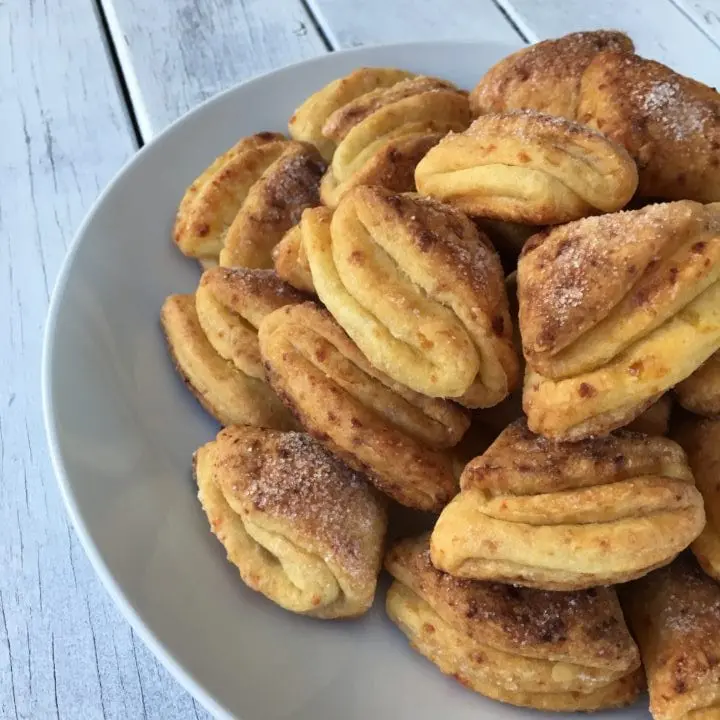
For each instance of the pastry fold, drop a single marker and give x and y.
(600, 353)
(212, 337)
(557, 651)
(545, 76)
(238, 209)
(700, 393)
(674, 614)
(303, 529)
(290, 261)
(528, 167)
(700, 438)
(308, 121)
(374, 126)
(397, 437)
(231, 303)
(562, 516)
(419, 289)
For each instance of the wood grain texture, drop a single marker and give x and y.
(705, 14)
(661, 31)
(177, 53)
(65, 651)
(392, 21)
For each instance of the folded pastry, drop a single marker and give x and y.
(290, 260)
(674, 614)
(419, 289)
(375, 125)
(545, 76)
(700, 393)
(614, 311)
(212, 337)
(669, 123)
(558, 651)
(308, 120)
(700, 438)
(239, 208)
(397, 437)
(231, 303)
(567, 516)
(527, 167)
(304, 529)
(392, 166)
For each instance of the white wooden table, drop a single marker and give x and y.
(84, 84)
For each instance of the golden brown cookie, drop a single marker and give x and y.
(231, 303)
(308, 120)
(303, 529)
(226, 392)
(700, 438)
(669, 123)
(392, 166)
(397, 437)
(545, 76)
(674, 614)
(375, 125)
(528, 167)
(568, 516)
(247, 199)
(700, 393)
(419, 289)
(614, 311)
(557, 651)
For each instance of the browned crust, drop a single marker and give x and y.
(391, 167)
(214, 197)
(545, 76)
(307, 121)
(520, 462)
(273, 205)
(559, 300)
(439, 242)
(292, 479)
(669, 123)
(252, 294)
(345, 118)
(321, 376)
(581, 627)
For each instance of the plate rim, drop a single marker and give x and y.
(114, 589)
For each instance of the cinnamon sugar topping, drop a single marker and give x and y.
(301, 481)
(677, 111)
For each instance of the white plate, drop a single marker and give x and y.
(122, 429)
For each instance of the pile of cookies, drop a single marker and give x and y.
(481, 308)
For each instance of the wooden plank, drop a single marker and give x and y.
(705, 14)
(660, 30)
(390, 21)
(65, 652)
(176, 54)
